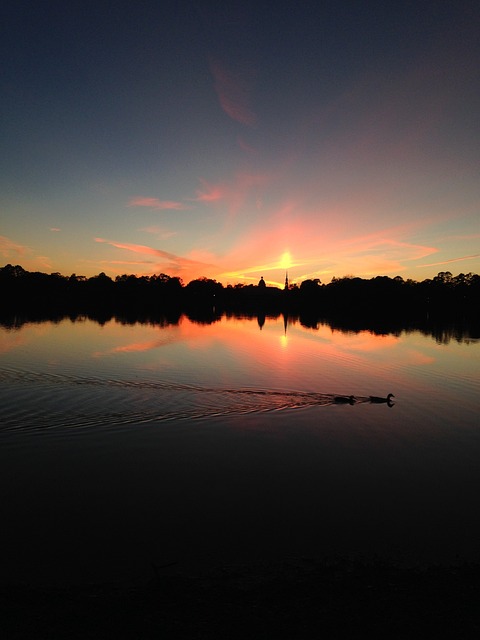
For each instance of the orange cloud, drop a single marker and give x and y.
(233, 91)
(45, 262)
(317, 248)
(8, 248)
(366, 256)
(155, 203)
(127, 262)
(11, 252)
(175, 264)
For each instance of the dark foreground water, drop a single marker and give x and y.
(128, 446)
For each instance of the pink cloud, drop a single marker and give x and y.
(138, 248)
(233, 91)
(155, 203)
(436, 264)
(245, 146)
(236, 192)
(159, 231)
(210, 193)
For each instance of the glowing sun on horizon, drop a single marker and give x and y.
(286, 260)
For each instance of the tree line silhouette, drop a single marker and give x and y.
(445, 294)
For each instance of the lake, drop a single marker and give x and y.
(127, 445)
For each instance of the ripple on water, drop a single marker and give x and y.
(41, 401)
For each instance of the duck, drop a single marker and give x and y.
(344, 399)
(387, 400)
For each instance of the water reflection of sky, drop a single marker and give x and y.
(434, 383)
(196, 440)
(236, 351)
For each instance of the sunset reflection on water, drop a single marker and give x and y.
(227, 439)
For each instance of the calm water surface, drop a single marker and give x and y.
(127, 445)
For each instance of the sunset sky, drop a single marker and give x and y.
(235, 140)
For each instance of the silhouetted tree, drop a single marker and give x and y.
(135, 296)
(204, 291)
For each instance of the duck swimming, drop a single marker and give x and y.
(344, 399)
(387, 400)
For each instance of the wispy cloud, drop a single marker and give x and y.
(159, 231)
(12, 252)
(210, 193)
(248, 148)
(381, 244)
(317, 251)
(371, 255)
(233, 90)
(243, 187)
(176, 264)
(158, 205)
(436, 264)
(136, 263)
(138, 248)
(45, 262)
(10, 249)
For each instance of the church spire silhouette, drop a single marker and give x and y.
(286, 280)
